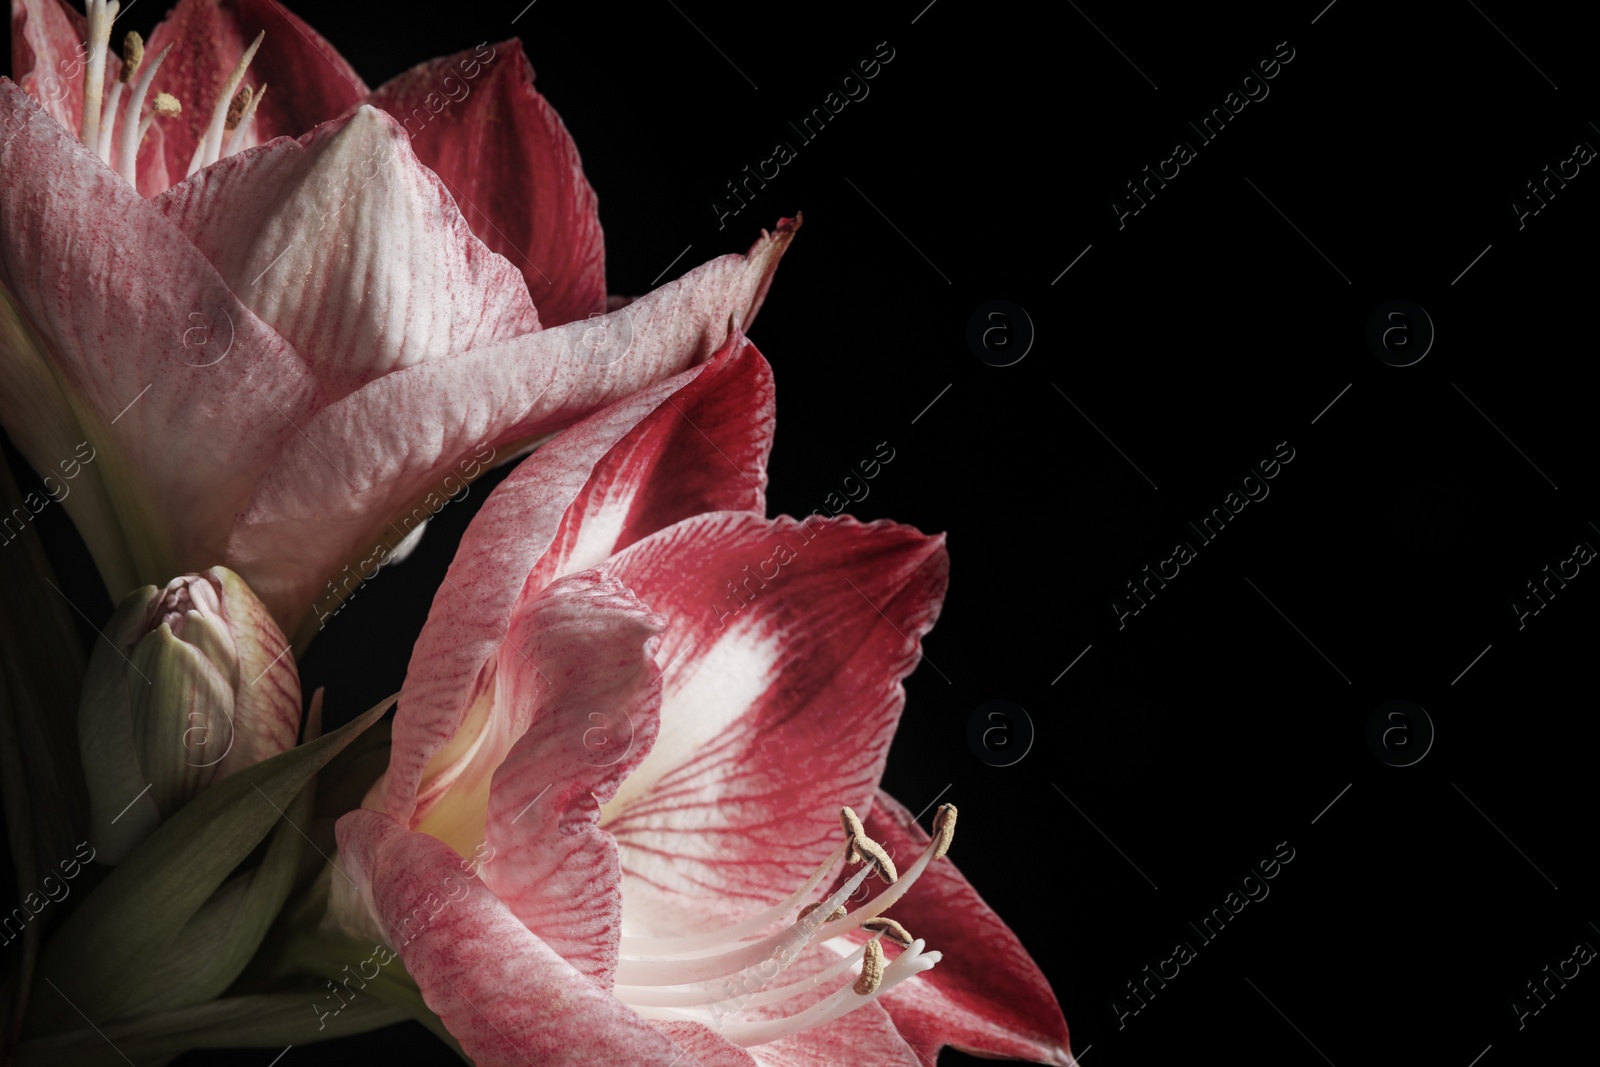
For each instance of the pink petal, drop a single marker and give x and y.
(310, 82)
(701, 1042)
(986, 996)
(113, 320)
(505, 995)
(866, 1035)
(352, 250)
(577, 659)
(702, 449)
(524, 535)
(504, 153)
(48, 44)
(375, 456)
(779, 705)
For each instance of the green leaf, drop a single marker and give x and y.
(99, 957)
(268, 1021)
(214, 946)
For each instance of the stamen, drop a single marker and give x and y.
(890, 929)
(664, 946)
(713, 986)
(100, 17)
(166, 106)
(108, 121)
(236, 109)
(784, 945)
(944, 827)
(237, 140)
(912, 962)
(210, 146)
(132, 130)
(853, 830)
(862, 845)
(871, 970)
(726, 990)
(132, 56)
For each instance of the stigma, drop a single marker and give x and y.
(717, 977)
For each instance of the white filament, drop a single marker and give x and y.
(210, 146)
(133, 130)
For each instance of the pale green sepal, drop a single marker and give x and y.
(99, 955)
(214, 946)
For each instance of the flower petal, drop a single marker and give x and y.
(700, 1041)
(48, 43)
(866, 1035)
(310, 81)
(399, 439)
(389, 277)
(781, 696)
(577, 660)
(505, 995)
(987, 996)
(702, 449)
(505, 155)
(108, 318)
(526, 534)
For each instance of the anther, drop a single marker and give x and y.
(838, 913)
(890, 929)
(237, 139)
(871, 970)
(167, 106)
(853, 830)
(862, 846)
(944, 829)
(236, 107)
(132, 56)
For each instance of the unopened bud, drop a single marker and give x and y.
(193, 682)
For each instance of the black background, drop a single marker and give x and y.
(1226, 716)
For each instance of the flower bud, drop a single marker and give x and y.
(192, 682)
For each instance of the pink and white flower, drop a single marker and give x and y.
(285, 359)
(657, 779)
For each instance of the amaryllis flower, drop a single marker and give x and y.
(656, 721)
(287, 360)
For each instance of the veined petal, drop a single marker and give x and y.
(702, 449)
(49, 40)
(116, 333)
(866, 1035)
(310, 81)
(525, 536)
(784, 651)
(477, 121)
(987, 997)
(352, 250)
(577, 659)
(703, 1043)
(398, 439)
(504, 994)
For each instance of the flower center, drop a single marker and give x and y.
(110, 126)
(713, 978)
